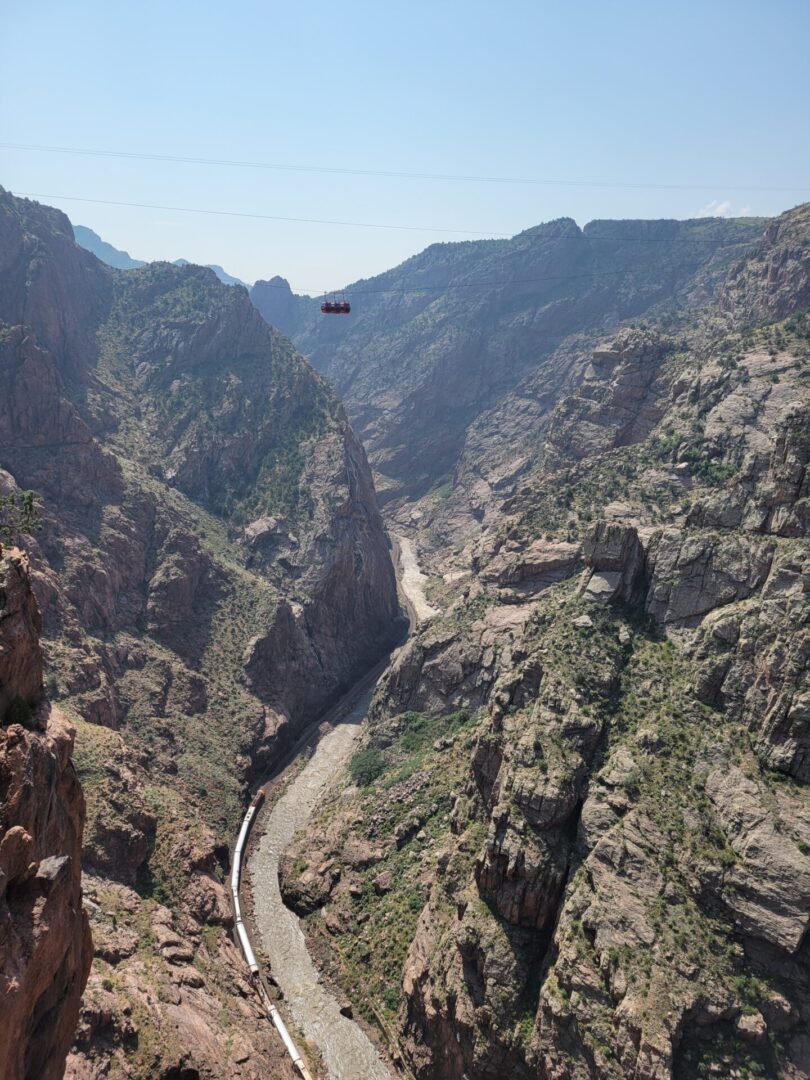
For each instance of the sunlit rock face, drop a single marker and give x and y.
(45, 946)
(435, 344)
(576, 840)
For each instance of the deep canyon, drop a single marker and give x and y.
(571, 838)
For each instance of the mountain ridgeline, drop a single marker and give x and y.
(122, 260)
(211, 571)
(574, 841)
(445, 336)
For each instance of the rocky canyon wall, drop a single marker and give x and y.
(576, 843)
(211, 569)
(45, 946)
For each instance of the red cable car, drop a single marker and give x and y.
(336, 307)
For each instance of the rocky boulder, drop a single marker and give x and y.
(616, 563)
(540, 564)
(694, 573)
(768, 886)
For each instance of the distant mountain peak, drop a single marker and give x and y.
(112, 256)
(122, 260)
(224, 276)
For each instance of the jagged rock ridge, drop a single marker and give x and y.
(436, 342)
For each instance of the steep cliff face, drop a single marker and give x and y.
(577, 840)
(308, 653)
(443, 338)
(160, 384)
(202, 496)
(45, 946)
(626, 381)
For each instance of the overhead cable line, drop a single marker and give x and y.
(393, 174)
(379, 225)
(265, 217)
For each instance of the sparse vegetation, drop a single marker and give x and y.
(366, 766)
(19, 515)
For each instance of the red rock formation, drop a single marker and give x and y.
(45, 946)
(20, 623)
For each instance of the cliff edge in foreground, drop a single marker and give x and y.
(45, 946)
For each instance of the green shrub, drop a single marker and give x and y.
(727, 857)
(366, 765)
(19, 514)
(420, 730)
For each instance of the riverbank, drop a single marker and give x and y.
(346, 1050)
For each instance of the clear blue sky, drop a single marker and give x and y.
(712, 93)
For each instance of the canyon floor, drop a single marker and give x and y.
(343, 1046)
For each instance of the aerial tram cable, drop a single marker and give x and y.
(332, 306)
(393, 174)
(375, 224)
(414, 228)
(266, 217)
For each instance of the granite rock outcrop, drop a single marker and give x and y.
(585, 780)
(464, 330)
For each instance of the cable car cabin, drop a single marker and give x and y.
(336, 307)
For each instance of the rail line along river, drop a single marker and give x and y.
(347, 1052)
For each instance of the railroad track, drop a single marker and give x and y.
(247, 949)
(249, 819)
